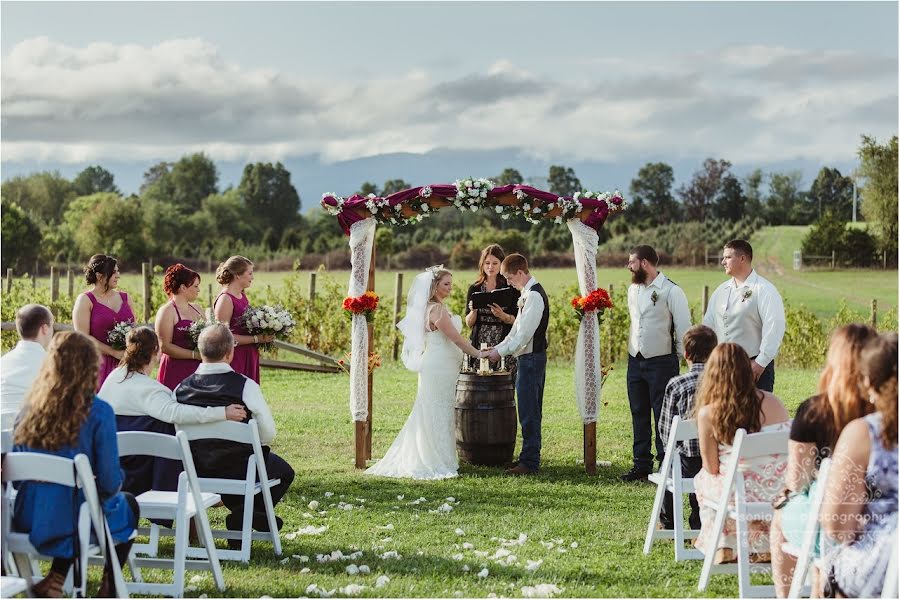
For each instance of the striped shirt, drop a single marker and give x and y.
(679, 400)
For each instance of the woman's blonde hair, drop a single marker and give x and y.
(235, 265)
(437, 275)
(59, 401)
(878, 362)
(728, 387)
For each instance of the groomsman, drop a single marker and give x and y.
(659, 319)
(528, 341)
(748, 311)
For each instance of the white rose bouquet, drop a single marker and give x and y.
(116, 336)
(269, 320)
(194, 329)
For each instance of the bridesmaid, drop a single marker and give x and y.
(100, 308)
(490, 325)
(178, 359)
(235, 275)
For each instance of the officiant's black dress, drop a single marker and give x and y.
(488, 329)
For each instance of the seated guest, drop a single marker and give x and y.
(860, 509)
(215, 383)
(678, 399)
(19, 366)
(728, 400)
(142, 403)
(814, 432)
(62, 417)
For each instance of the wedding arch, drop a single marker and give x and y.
(584, 213)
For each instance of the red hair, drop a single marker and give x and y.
(176, 276)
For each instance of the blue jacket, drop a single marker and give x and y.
(46, 510)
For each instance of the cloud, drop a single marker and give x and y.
(106, 101)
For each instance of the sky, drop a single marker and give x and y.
(606, 81)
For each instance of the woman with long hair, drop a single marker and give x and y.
(143, 404)
(492, 324)
(814, 433)
(179, 358)
(728, 400)
(62, 417)
(235, 275)
(860, 508)
(98, 310)
(426, 446)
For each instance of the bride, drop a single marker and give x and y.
(426, 446)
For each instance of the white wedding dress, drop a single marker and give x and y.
(426, 446)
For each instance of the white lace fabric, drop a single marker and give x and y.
(587, 350)
(362, 238)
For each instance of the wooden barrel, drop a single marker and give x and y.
(485, 418)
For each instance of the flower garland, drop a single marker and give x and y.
(365, 305)
(597, 301)
(472, 193)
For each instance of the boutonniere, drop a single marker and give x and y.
(521, 302)
(747, 294)
(654, 296)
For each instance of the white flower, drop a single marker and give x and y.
(312, 530)
(532, 565)
(504, 216)
(457, 557)
(389, 527)
(483, 573)
(364, 569)
(499, 209)
(542, 590)
(459, 531)
(382, 581)
(573, 545)
(474, 208)
(391, 554)
(352, 570)
(304, 570)
(476, 183)
(468, 546)
(465, 568)
(484, 193)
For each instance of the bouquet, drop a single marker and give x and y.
(361, 305)
(374, 362)
(269, 320)
(597, 301)
(194, 329)
(116, 336)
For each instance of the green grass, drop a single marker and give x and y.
(606, 518)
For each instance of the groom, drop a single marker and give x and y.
(527, 341)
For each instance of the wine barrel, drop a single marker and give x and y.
(485, 418)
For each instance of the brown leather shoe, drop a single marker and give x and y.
(520, 470)
(50, 586)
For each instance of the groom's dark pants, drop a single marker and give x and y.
(646, 381)
(530, 396)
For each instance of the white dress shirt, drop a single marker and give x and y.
(652, 322)
(141, 395)
(750, 315)
(521, 337)
(253, 399)
(18, 369)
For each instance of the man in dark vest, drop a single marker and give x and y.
(528, 341)
(216, 384)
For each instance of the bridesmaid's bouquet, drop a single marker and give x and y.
(116, 336)
(269, 320)
(194, 329)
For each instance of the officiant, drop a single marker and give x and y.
(489, 320)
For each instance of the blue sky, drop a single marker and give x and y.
(752, 81)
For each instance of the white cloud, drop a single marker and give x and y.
(151, 102)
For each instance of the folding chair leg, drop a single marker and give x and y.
(135, 570)
(181, 542)
(654, 512)
(205, 532)
(710, 556)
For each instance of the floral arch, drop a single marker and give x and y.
(584, 213)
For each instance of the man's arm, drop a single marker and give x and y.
(681, 316)
(525, 326)
(256, 404)
(771, 313)
(709, 319)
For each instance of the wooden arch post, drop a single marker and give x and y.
(363, 436)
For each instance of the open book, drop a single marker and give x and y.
(504, 297)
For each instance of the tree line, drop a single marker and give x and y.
(181, 213)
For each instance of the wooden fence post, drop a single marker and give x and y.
(833, 254)
(884, 259)
(312, 286)
(705, 303)
(874, 313)
(33, 280)
(210, 296)
(398, 299)
(146, 275)
(209, 268)
(70, 281)
(54, 284)
(9, 278)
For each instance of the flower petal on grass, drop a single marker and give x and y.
(541, 590)
(483, 573)
(382, 581)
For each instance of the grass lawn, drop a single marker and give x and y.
(595, 524)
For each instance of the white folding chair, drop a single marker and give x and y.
(12, 586)
(8, 419)
(248, 487)
(889, 588)
(745, 447)
(6, 441)
(799, 584)
(17, 548)
(669, 478)
(187, 503)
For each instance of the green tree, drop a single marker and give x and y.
(43, 196)
(368, 188)
(19, 237)
(752, 184)
(154, 174)
(384, 243)
(699, 196)
(185, 185)
(94, 179)
(784, 199)
(563, 181)
(651, 195)
(832, 191)
(509, 176)
(107, 223)
(878, 164)
(730, 203)
(270, 197)
(166, 231)
(830, 233)
(392, 186)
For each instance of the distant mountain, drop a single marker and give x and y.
(312, 176)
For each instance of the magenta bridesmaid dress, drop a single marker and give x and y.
(173, 371)
(246, 356)
(103, 319)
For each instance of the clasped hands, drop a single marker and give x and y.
(489, 353)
